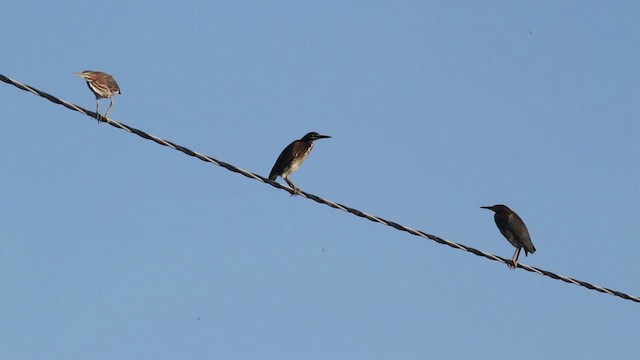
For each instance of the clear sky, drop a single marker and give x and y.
(112, 247)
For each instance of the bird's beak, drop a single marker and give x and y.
(78, 74)
(486, 207)
(322, 137)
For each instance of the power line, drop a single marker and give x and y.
(315, 198)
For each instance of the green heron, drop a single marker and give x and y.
(103, 86)
(292, 156)
(514, 229)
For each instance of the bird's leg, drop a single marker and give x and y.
(97, 113)
(514, 259)
(293, 187)
(109, 109)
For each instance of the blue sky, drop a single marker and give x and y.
(113, 247)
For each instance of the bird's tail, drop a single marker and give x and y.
(527, 251)
(272, 176)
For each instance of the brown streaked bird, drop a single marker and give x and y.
(514, 229)
(292, 156)
(103, 86)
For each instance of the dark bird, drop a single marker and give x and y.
(103, 86)
(292, 156)
(514, 229)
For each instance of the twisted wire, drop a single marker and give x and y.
(313, 197)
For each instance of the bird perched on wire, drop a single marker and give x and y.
(514, 229)
(292, 156)
(103, 86)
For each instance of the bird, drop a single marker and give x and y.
(292, 156)
(513, 228)
(103, 86)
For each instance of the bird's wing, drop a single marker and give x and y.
(519, 228)
(113, 85)
(284, 160)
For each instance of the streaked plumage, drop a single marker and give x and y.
(513, 228)
(103, 86)
(292, 156)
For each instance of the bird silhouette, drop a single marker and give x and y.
(103, 86)
(514, 229)
(292, 156)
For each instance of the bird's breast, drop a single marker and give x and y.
(299, 156)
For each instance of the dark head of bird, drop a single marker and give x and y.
(497, 208)
(85, 74)
(313, 136)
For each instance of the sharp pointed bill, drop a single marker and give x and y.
(103, 86)
(513, 229)
(292, 156)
